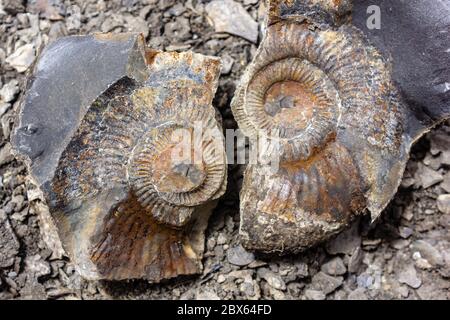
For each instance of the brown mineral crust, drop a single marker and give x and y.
(302, 203)
(133, 245)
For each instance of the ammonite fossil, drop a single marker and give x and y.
(341, 119)
(98, 128)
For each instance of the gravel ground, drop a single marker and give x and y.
(404, 255)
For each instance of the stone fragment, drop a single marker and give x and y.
(273, 279)
(277, 294)
(399, 244)
(37, 266)
(355, 260)
(314, 295)
(9, 91)
(334, 267)
(408, 275)
(325, 283)
(358, 294)
(207, 295)
(48, 10)
(432, 162)
(9, 245)
(302, 270)
(446, 182)
(428, 252)
(227, 64)
(365, 280)
(238, 256)
(4, 107)
(178, 29)
(13, 6)
(6, 155)
(427, 177)
(22, 58)
(405, 232)
(440, 141)
(229, 16)
(346, 242)
(443, 203)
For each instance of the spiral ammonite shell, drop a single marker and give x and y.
(325, 96)
(106, 113)
(294, 102)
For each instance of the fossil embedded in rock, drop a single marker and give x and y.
(97, 129)
(336, 115)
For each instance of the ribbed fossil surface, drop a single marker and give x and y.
(324, 99)
(97, 129)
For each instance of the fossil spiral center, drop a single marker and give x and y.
(172, 175)
(294, 104)
(290, 104)
(172, 165)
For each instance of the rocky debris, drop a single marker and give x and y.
(302, 270)
(427, 177)
(405, 232)
(9, 91)
(273, 279)
(4, 107)
(243, 280)
(432, 161)
(22, 58)
(227, 64)
(400, 244)
(229, 16)
(439, 142)
(13, 6)
(408, 275)
(238, 256)
(345, 242)
(179, 29)
(9, 245)
(420, 262)
(334, 267)
(443, 203)
(48, 230)
(357, 294)
(365, 280)
(207, 295)
(355, 260)
(446, 182)
(428, 252)
(325, 283)
(314, 295)
(37, 266)
(48, 10)
(6, 155)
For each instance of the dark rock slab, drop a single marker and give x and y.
(71, 73)
(415, 36)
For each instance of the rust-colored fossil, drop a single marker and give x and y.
(96, 128)
(344, 121)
